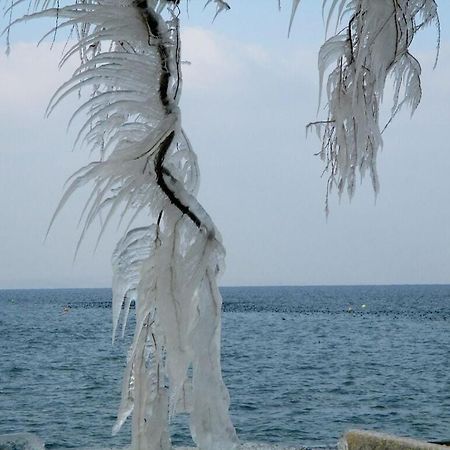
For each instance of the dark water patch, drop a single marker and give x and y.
(87, 305)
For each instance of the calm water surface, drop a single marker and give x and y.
(302, 364)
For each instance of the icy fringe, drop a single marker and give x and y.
(130, 65)
(129, 53)
(373, 46)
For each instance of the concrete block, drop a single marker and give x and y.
(371, 440)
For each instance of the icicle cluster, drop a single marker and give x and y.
(373, 46)
(129, 52)
(130, 64)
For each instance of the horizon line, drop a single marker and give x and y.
(242, 286)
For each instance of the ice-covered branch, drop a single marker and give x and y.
(129, 71)
(373, 46)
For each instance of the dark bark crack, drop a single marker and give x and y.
(153, 26)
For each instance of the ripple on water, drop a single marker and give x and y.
(300, 367)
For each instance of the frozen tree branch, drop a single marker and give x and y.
(129, 54)
(129, 66)
(373, 46)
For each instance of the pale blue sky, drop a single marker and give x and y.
(247, 97)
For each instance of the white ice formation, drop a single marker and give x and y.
(372, 46)
(129, 53)
(27, 441)
(21, 441)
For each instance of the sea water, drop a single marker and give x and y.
(302, 364)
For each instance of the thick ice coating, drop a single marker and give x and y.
(130, 65)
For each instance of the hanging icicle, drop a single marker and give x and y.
(130, 63)
(129, 53)
(374, 45)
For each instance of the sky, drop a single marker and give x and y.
(247, 96)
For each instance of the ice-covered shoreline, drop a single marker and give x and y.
(29, 441)
(352, 440)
